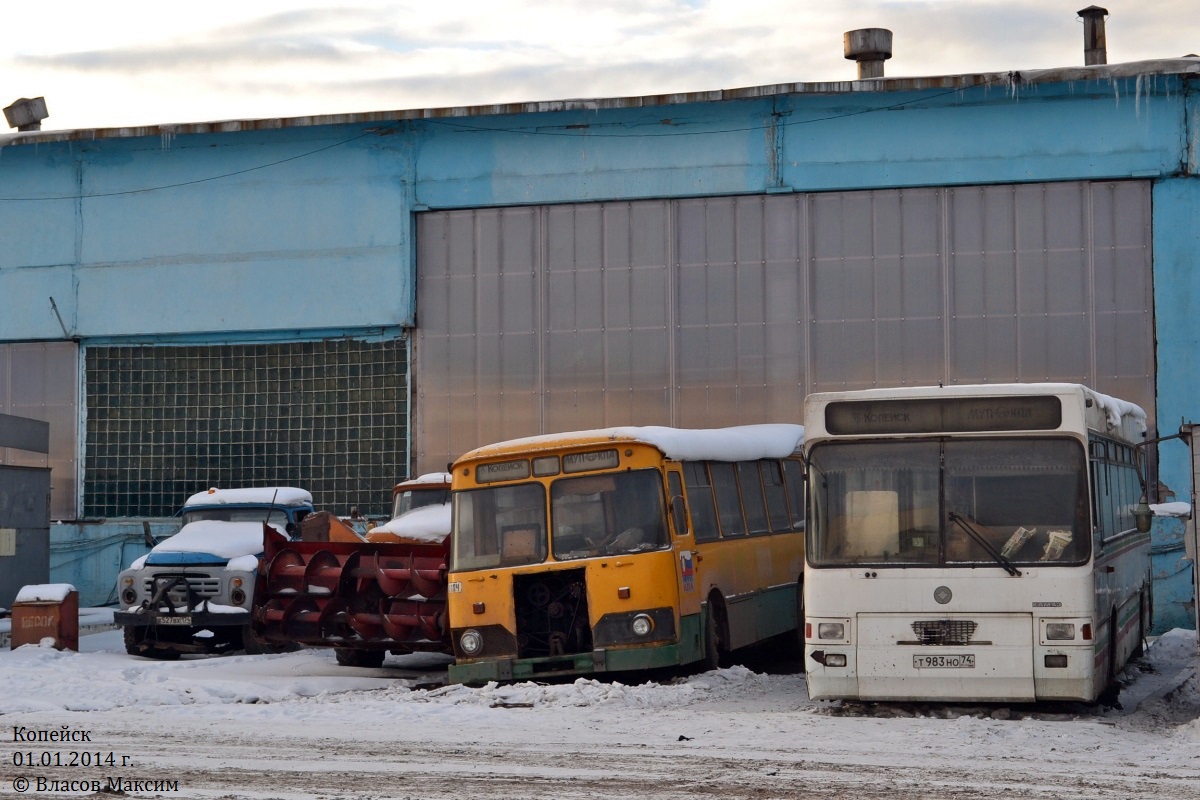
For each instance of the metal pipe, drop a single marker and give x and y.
(1095, 48)
(870, 47)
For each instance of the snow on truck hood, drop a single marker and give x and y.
(425, 524)
(210, 541)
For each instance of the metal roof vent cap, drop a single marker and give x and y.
(27, 114)
(1095, 48)
(870, 47)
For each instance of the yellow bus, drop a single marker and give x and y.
(624, 549)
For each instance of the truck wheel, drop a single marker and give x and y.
(135, 637)
(359, 658)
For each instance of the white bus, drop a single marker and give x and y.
(979, 543)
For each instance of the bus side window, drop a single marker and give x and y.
(700, 501)
(752, 497)
(777, 508)
(677, 504)
(729, 504)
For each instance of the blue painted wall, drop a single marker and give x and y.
(300, 231)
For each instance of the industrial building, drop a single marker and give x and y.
(337, 302)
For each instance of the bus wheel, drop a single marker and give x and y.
(715, 646)
(1112, 688)
(1139, 648)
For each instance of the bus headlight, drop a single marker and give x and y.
(835, 659)
(642, 625)
(831, 630)
(1060, 631)
(470, 642)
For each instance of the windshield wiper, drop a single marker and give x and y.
(985, 544)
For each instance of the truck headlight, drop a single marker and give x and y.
(831, 630)
(470, 642)
(238, 596)
(1060, 631)
(642, 625)
(128, 596)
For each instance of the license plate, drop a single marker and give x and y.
(964, 661)
(175, 620)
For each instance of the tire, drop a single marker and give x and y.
(134, 639)
(715, 653)
(1110, 695)
(359, 658)
(1139, 649)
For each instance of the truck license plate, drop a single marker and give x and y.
(175, 620)
(963, 661)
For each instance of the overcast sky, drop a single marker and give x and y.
(129, 62)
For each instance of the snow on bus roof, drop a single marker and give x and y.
(738, 443)
(265, 495)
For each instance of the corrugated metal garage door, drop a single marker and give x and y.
(718, 311)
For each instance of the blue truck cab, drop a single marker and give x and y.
(192, 593)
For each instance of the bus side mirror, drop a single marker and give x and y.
(1143, 515)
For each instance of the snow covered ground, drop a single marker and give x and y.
(298, 726)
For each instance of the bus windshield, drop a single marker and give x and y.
(501, 526)
(606, 514)
(949, 502)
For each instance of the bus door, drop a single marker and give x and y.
(684, 545)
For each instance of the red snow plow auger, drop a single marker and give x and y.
(364, 598)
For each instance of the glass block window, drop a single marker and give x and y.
(164, 422)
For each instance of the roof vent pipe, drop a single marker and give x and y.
(27, 114)
(1095, 49)
(870, 47)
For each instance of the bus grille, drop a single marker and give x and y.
(944, 631)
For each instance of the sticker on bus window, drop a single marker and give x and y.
(687, 571)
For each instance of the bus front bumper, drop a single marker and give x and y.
(475, 673)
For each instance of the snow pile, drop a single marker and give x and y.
(429, 524)
(44, 593)
(587, 692)
(1116, 409)
(40, 678)
(1171, 509)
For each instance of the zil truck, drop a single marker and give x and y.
(192, 593)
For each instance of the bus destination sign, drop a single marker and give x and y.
(949, 415)
(502, 471)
